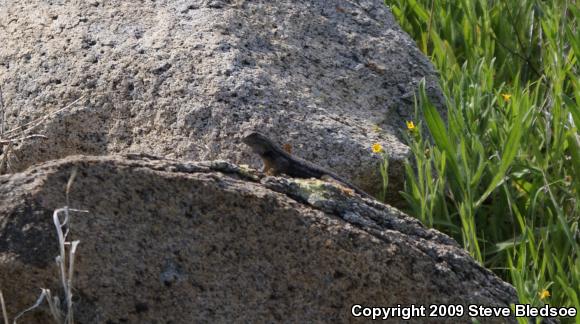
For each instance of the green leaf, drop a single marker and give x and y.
(438, 131)
(509, 153)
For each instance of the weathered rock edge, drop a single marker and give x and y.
(184, 79)
(210, 241)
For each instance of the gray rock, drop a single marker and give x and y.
(168, 241)
(184, 79)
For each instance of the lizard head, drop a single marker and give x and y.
(259, 143)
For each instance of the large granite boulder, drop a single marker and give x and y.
(184, 79)
(172, 242)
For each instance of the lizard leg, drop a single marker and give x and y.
(270, 168)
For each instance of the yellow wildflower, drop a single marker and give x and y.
(506, 97)
(411, 126)
(377, 148)
(544, 294)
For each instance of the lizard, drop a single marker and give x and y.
(277, 161)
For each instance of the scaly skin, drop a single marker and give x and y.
(277, 161)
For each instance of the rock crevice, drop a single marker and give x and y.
(185, 79)
(212, 241)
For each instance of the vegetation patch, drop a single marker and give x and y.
(501, 173)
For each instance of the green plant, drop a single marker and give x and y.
(501, 174)
(383, 169)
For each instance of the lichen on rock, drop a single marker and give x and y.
(200, 241)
